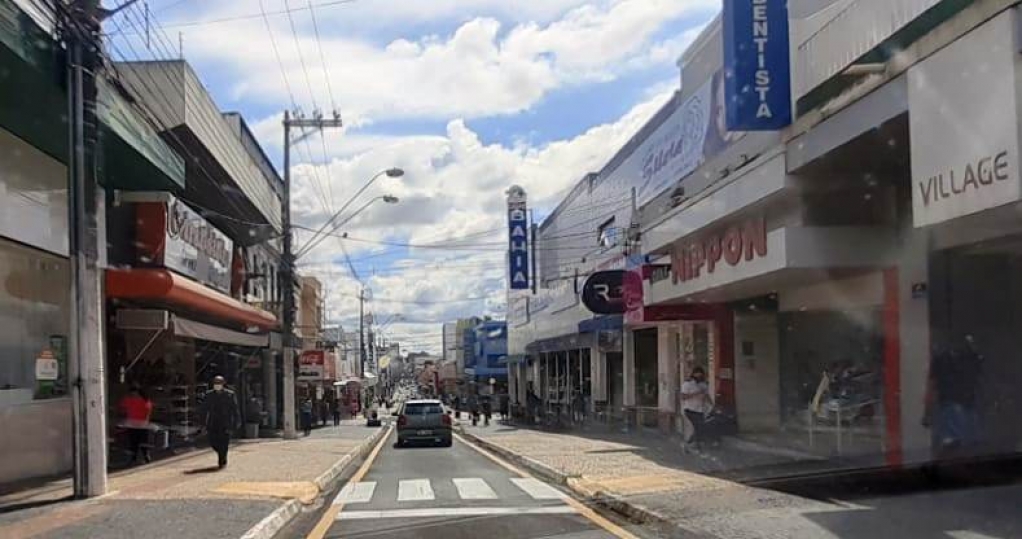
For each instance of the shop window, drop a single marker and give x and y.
(609, 235)
(34, 322)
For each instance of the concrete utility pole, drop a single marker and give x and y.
(361, 333)
(80, 26)
(287, 274)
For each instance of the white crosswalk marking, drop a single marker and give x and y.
(537, 489)
(455, 512)
(473, 488)
(360, 492)
(414, 490)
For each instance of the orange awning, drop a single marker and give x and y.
(160, 285)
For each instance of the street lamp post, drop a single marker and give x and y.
(287, 273)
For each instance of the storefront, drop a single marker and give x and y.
(791, 300)
(966, 193)
(174, 326)
(35, 312)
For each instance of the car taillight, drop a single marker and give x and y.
(447, 420)
(402, 420)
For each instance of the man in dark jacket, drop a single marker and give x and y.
(221, 417)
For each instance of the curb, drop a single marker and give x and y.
(276, 521)
(327, 478)
(531, 464)
(636, 513)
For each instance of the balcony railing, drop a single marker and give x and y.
(848, 35)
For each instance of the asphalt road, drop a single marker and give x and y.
(448, 493)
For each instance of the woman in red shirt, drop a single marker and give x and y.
(137, 409)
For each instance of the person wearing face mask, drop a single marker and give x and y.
(695, 399)
(221, 417)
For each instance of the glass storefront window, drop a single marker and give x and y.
(34, 322)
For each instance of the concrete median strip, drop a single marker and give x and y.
(270, 526)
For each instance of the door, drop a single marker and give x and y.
(757, 373)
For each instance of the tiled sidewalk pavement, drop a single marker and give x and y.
(187, 497)
(653, 481)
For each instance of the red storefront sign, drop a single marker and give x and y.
(733, 246)
(638, 313)
(311, 365)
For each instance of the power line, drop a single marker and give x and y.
(301, 57)
(276, 53)
(322, 57)
(235, 18)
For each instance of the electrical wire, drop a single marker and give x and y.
(235, 18)
(276, 52)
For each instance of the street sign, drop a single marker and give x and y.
(603, 292)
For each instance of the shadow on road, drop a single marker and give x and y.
(205, 469)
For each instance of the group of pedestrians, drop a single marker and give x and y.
(322, 411)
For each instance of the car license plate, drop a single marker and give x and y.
(423, 432)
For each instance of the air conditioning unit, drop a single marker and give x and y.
(147, 319)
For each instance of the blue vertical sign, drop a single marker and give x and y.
(757, 65)
(518, 239)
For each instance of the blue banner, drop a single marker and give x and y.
(518, 246)
(758, 73)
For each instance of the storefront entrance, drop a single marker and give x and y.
(976, 294)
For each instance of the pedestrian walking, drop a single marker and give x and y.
(306, 410)
(578, 409)
(487, 410)
(137, 409)
(335, 411)
(951, 396)
(324, 412)
(695, 402)
(221, 417)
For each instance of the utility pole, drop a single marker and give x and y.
(86, 368)
(361, 334)
(287, 274)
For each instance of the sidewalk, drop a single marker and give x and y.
(654, 484)
(264, 485)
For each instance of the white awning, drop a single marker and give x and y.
(184, 327)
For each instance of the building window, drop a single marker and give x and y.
(608, 234)
(34, 324)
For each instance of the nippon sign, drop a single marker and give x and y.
(757, 83)
(174, 236)
(518, 239)
(735, 245)
(965, 147)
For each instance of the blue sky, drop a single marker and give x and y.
(467, 96)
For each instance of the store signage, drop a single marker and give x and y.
(965, 150)
(46, 366)
(518, 239)
(172, 235)
(756, 53)
(660, 272)
(694, 133)
(735, 245)
(311, 365)
(604, 292)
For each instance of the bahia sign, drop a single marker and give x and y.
(758, 77)
(518, 239)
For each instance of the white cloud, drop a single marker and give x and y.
(453, 195)
(483, 67)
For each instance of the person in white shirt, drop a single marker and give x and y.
(695, 402)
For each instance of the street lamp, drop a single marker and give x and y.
(321, 234)
(393, 172)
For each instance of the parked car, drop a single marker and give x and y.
(424, 420)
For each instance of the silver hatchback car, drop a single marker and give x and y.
(424, 420)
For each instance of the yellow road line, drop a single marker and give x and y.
(331, 512)
(582, 509)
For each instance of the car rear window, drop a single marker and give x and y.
(422, 409)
